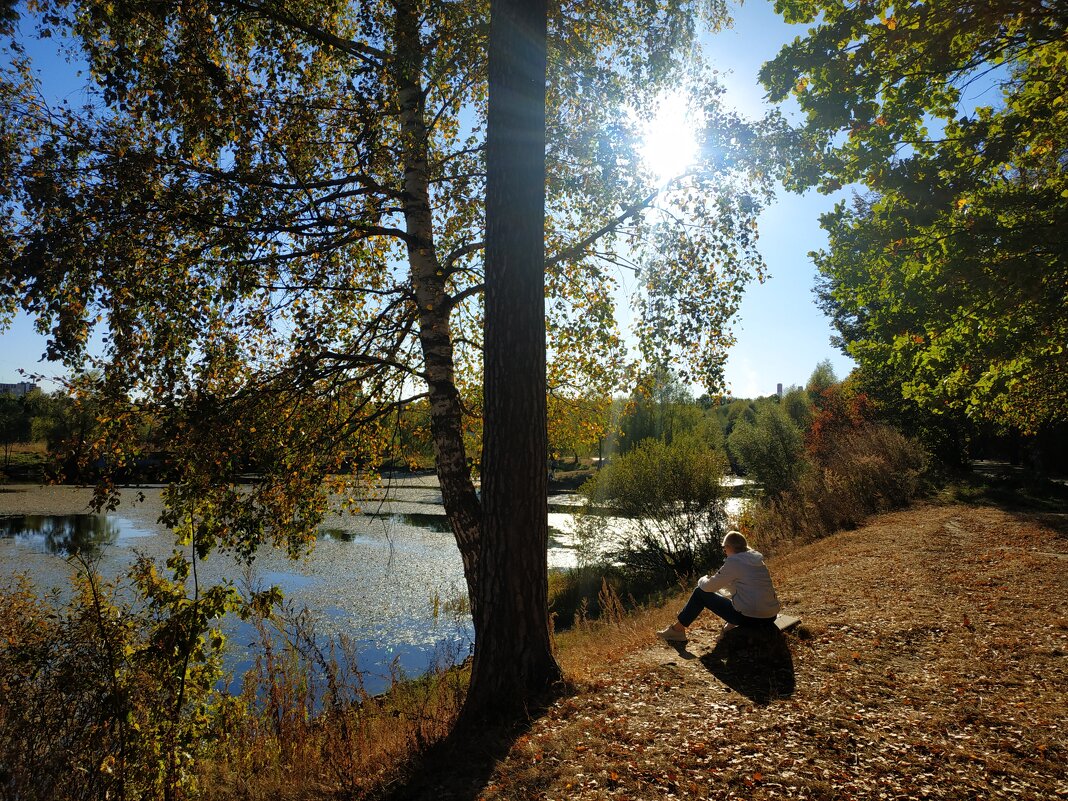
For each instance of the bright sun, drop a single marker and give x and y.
(668, 140)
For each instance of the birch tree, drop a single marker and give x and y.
(272, 218)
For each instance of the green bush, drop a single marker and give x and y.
(797, 404)
(770, 449)
(671, 499)
(101, 698)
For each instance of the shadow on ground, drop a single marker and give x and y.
(460, 767)
(457, 769)
(755, 662)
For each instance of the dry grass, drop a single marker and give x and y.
(930, 664)
(859, 473)
(351, 753)
(304, 728)
(585, 651)
(37, 448)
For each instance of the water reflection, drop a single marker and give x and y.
(439, 524)
(392, 582)
(339, 534)
(66, 535)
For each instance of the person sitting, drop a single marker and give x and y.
(744, 575)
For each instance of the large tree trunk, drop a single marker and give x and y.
(428, 283)
(513, 661)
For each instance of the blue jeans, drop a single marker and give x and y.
(721, 606)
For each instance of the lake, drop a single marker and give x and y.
(383, 577)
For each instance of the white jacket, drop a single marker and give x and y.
(747, 579)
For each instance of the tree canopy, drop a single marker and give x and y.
(273, 216)
(949, 270)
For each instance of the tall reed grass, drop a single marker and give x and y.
(304, 725)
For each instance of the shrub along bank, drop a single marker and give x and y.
(103, 697)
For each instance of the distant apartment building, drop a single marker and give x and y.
(19, 389)
(778, 390)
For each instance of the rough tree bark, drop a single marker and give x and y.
(513, 662)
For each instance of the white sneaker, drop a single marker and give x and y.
(671, 635)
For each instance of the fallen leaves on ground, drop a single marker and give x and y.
(930, 664)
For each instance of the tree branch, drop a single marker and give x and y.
(460, 297)
(371, 56)
(466, 250)
(581, 246)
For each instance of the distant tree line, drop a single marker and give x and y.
(52, 419)
(763, 436)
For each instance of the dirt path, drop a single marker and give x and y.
(931, 663)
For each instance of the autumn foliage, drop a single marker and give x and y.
(836, 412)
(852, 466)
(101, 698)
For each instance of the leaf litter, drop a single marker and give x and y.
(930, 663)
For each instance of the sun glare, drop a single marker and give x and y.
(669, 142)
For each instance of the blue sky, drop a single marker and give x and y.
(781, 334)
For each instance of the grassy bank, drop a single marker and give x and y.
(930, 663)
(24, 463)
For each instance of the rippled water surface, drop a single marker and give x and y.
(387, 577)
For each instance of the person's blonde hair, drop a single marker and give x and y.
(736, 540)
